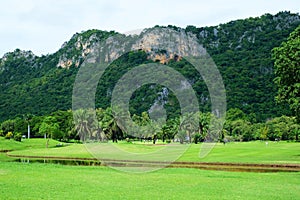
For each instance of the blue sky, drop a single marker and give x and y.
(43, 25)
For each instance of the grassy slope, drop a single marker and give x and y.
(25, 144)
(252, 152)
(49, 181)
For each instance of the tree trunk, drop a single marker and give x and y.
(47, 143)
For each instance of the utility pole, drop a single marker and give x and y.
(28, 131)
(27, 118)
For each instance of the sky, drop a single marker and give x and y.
(42, 26)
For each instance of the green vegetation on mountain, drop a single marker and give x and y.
(287, 71)
(241, 49)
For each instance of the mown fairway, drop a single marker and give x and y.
(246, 152)
(49, 181)
(54, 181)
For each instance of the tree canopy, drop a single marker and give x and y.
(287, 71)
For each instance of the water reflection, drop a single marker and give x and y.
(234, 167)
(62, 162)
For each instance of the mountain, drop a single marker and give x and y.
(241, 49)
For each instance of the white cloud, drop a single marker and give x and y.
(43, 25)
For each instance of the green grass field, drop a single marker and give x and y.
(246, 152)
(54, 181)
(50, 181)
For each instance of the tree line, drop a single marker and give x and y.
(101, 125)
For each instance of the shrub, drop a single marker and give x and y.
(9, 135)
(18, 137)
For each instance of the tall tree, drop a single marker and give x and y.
(204, 120)
(170, 129)
(110, 126)
(188, 125)
(8, 126)
(65, 122)
(85, 123)
(49, 127)
(287, 71)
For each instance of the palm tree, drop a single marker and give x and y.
(188, 122)
(170, 129)
(85, 123)
(204, 121)
(109, 125)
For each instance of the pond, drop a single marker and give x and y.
(237, 167)
(60, 161)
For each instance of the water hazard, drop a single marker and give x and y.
(237, 167)
(60, 161)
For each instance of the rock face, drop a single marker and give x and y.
(165, 44)
(19, 54)
(161, 44)
(162, 48)
(82, 46)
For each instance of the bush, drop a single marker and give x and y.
(197, 138)
(18, 137)
(9, 135)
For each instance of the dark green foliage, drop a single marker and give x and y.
(18, 137)
(8, 126)
(287, 71)
(283, 128)
(114, 72)
(60, 126)
(241, 49)
(170, 129)
(66, 126)
(49, 127)
(31, 84)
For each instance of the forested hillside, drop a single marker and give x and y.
(241, 49)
